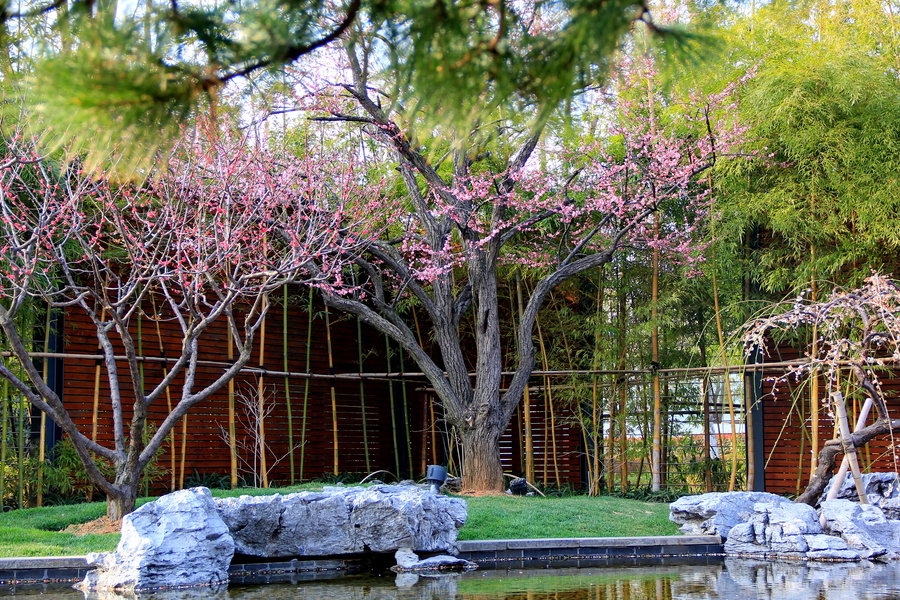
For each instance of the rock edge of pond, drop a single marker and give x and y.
(188, 538)
(759, 524)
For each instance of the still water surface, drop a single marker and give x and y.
(730, 580)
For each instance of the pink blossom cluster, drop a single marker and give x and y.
(225, 220)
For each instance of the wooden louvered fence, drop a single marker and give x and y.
(786, 406)
(389, 423)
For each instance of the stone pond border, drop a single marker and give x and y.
(488, 554)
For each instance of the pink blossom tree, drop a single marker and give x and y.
(201, 239)
(469, 209)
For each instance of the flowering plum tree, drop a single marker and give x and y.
(461, 220)
(859, 335)
(197, 238)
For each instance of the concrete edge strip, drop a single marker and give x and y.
(64, 569)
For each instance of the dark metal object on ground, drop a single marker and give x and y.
(518, 486)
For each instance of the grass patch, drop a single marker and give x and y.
(503, 517)
(37, 531)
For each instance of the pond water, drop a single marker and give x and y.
(729, 580)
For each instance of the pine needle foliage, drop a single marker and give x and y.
(116, 79)
(108, 100)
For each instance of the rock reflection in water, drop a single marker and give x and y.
(764, 580)
(732, 580)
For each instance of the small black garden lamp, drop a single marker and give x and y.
(435, 476)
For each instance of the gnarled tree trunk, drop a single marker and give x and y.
(481, 460)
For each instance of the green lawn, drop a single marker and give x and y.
(502, 517)
(36, 531)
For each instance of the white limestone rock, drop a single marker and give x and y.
(774, 528)
(344, 520)
(864, 527)
(890, 507)
(409, 562)
(829, 548)
(715, 513)
(882, 490)
(178, 540)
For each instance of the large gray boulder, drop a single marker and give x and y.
(178, 540)
(344, 520)
(864, 527)
(774, 528)
(715, 513)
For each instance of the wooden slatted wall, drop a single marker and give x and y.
(787, 429)
(205, 448)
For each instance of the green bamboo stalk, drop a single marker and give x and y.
(362, 394)
(596, 409)
(260, 399)
(334, 418)
(232, 429)
(309, 320)
(406, 414)
(4, 431)
(287, 383)
(42, 437)
(387, 354)
(140, 351)
(423, 464)
(21, 480)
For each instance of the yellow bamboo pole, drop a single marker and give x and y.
(21, 454)
(287, 382)
(726, 376)
(848, 446)
(526, 401)
(184, 437)
(596, 410)
(548, 394)
(430, 412)
(814, 380)
(172, 441)
(95, 414)
(42, 439)
(140, 352)
(726, 382)
(656, 454)
(801, 457)
(393, 408)
(309, 323)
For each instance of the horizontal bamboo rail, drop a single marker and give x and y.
(419, 375)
